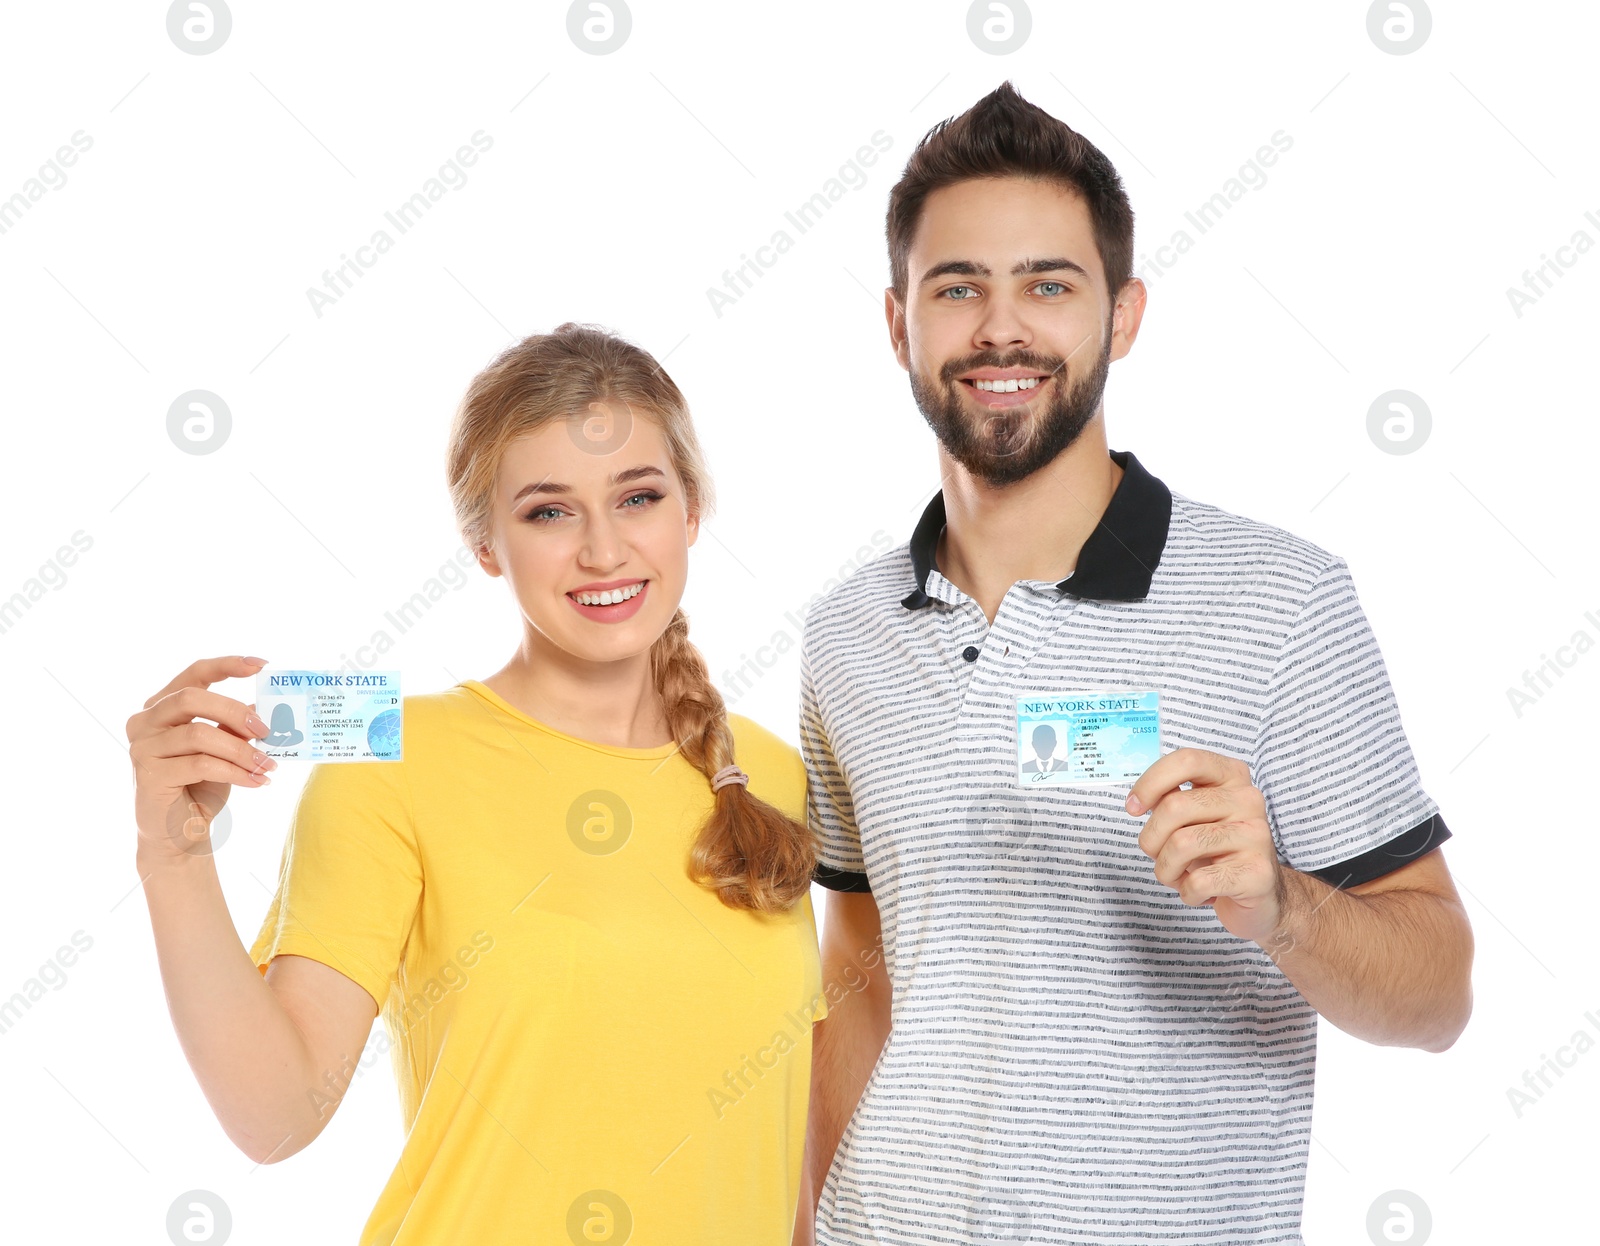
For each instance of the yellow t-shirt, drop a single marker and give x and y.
(589, 1046)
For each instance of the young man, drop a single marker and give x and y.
(1079, 1011)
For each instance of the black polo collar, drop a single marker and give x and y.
(1116, 563)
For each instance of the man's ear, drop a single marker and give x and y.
(894, 316)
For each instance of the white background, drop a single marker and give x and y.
(618, 189)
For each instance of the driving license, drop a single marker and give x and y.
(330, 715)
(1090, 737)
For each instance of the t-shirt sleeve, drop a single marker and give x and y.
(350, 878)
(828, 806)
(1343, 795)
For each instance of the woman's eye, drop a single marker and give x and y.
(550, 514)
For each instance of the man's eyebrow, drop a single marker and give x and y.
(972, 268)
(643, 471)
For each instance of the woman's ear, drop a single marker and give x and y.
(487, 560)
(693, 526)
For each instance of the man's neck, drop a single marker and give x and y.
(1031, 530)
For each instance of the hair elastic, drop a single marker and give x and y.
(729, 774)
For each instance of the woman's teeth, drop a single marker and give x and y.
(610, 597)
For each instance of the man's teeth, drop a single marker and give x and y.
(610, 597)
(1009, 386)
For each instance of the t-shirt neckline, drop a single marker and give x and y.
(616, 750)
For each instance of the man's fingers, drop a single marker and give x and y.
(1188, 845)
(1184, 808)
(1240, 879)
(1185, 765)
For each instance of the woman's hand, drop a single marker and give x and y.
(183, 768)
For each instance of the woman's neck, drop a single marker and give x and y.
(613, 703)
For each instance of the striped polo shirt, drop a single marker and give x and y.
(1077, 1056)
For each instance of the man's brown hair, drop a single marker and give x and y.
(1003, 135)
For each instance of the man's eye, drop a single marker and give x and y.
(1058, 285)
(953, 289)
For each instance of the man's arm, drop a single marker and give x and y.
(1388, 961)
(846, 1044)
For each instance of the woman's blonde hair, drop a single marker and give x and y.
(755, 856)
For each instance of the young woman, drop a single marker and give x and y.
(581, 900)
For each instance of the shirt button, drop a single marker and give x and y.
(970, 653)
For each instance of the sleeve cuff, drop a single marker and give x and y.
(1385, 858)
(839, 880)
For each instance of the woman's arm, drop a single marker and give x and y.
(272, 1054)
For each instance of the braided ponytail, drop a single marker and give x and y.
(754, 855)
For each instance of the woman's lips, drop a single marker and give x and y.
(617, 613)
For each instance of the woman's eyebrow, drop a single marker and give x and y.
(641, 472)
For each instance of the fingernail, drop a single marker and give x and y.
(1133, 805)
(258, 661)
(257, 728)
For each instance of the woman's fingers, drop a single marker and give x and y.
(186, 698)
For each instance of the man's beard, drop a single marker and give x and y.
(1009, 444)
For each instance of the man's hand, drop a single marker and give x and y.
(1212, 842)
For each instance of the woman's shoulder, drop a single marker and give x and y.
(431, 725)
(748, 733)
(771, 761)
